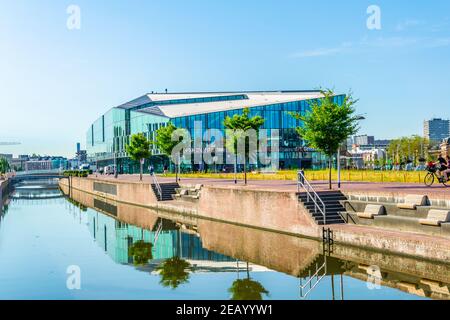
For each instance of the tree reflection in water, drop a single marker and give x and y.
(141, 252)
(174, 272)
(247, 289)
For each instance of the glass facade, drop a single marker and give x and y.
(110, 133)
(116, 238)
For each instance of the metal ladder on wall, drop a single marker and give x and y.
(321, 271)
(158, 186)
(319, 205)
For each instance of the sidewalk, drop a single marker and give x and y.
(436, 191)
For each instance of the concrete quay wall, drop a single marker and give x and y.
(274, 211)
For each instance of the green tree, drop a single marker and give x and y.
(139, 149)
(406, 149)
(4, 165)
(141, 252)
(173, 272)
(328, 124)
(164, 141)
(239, 124)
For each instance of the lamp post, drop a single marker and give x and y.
(115, 158)
(339, 167)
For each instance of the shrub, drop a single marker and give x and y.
(76, 173)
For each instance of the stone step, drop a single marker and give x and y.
(327, 205)
(167, 191)
(332, 201)
(334, 198)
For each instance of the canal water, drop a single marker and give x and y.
(54, 247)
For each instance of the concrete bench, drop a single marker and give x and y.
(182, 193)
(197, 188)
(436, 217)
(371, 211)
(412, 201)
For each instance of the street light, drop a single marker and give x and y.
(115, 157)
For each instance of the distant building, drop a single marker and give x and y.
(382, 144)
(46, 163)
(436, 129)
(364, 140)
(6, 156)
(35, 165)
(82, 156)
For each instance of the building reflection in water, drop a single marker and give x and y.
(117, 237)
(226, 248)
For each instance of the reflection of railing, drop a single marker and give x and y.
(314, 279)
(157, 186)
(302, 182)
(158, 232)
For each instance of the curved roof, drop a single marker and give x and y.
(177, 108)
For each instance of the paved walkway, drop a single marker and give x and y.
(436, 191)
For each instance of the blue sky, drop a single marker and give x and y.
(54, 82)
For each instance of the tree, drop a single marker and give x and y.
(174, 271)
(405, 149)
(328, 124)
(4, 165)
(139, 149)
(164, 141)
(141, 252)
(239, 124)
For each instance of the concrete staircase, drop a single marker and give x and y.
(332, 203)
(168, 190)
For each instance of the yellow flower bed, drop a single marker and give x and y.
(316, 175)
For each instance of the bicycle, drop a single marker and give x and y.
(432, 175)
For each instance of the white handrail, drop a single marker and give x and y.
(314, 276)
(319, 205)
(157, 185)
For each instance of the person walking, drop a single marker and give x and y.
(151, 169)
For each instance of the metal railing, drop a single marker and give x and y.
(158, 186)
(320, 273)
(319, 205)
(38, 172)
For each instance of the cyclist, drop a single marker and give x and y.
(443, 166)
(446, 172)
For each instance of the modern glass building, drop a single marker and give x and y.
(108, 135)
(436, 129)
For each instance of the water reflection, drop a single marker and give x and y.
(36, 190)
(206, 246)
(133, 252)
